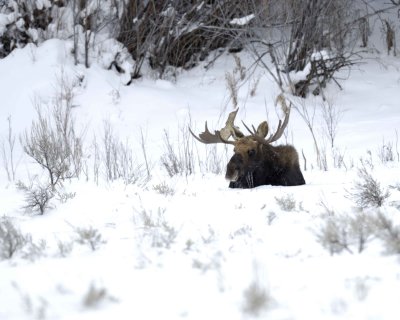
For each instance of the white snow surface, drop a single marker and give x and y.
(243, 20)
(224, 242)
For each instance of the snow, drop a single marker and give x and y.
(194, 254)
(243, 20)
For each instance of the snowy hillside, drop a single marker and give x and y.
(152, 246)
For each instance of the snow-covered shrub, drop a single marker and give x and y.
(367, 191)
(89, 236)
(113, 55)
(34, 250)
(318, 40)
(174, 33)
(65, 248)
(11, 239)
(63, 196)
(212, 261)
(256, 297)
(352, 232)
(157, 229)
(23, 22)
(286, 202)
(388, 232)
(37, 196)
(94, 296)
(349, 232)
(164, 189)
(45, 144)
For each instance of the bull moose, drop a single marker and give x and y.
(255, 161)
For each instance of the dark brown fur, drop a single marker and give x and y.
(255, 164)
(256, 161)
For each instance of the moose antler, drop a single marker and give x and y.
(262, 130)
(220, 136)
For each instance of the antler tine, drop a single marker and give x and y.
(281, 126)
(194, 136)
(208, 138)
(230, 130)
(252, 132)
(221, 136)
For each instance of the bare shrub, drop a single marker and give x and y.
(184, 157)
(94, 296)
(157, 229)
(210, 237)
(34, 250)
(307, 113)
(257, 297)
(37, 196)
(89, 236)
(389, 30)
(52, 142)
(11, 239)
(232, 86)
(361, 288)
(164, 189)
(8, 152)
(178, 159)
(244, 230)
(144, 152)
(45, 145)
(117, 159)
(315, 37)
(367, 191)
(347, 232)
(254, 85)
(333, 236)
(361, 230)
(215, 161)
(35, 307)
(211, 262)
(65, 248)
(179, 33)
(97, 160)
(388, 232)
(170, 159)
(63, 196)
(386, 152)
(233, 80)
(338, 157)
(331, 115)
(328, 209)
(286, 202)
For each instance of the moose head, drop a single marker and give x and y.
(256, 161)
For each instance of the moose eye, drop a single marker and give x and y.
(251, 152)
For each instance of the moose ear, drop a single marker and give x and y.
(262, 129)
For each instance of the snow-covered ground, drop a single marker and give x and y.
(188, 247)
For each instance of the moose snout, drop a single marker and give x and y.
(234, 168)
